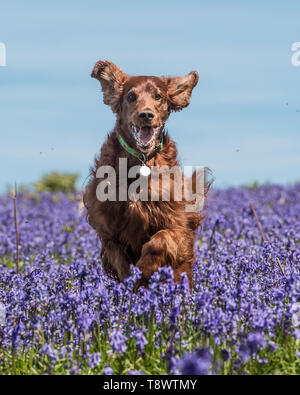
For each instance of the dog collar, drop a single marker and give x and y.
(138, 154)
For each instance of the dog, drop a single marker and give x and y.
(148, 234)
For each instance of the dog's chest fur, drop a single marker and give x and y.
(136, 221)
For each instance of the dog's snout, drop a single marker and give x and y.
(146, 115)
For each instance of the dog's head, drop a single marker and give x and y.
(143, 104)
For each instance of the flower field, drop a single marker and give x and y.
(62, 315)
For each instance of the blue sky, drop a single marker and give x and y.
(243, 121)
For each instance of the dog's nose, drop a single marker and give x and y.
(146, 115)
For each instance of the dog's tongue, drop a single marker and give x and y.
(145, 134)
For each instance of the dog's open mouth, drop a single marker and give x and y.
(145, 136)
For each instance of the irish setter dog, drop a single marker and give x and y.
(148, 234)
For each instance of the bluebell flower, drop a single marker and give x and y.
(95, 359)
(118, 341)
(107, 370)
(197, 363)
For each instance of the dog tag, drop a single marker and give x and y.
(145, 171)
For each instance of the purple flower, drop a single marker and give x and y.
(272, 346)
(118, 341)
(244, 353)
(297, 333)
(95, 360)
(135, 373)
(107, 371)
(197, 363)
(256, 341)
(140, 339)
(49, 351)
(225, 354)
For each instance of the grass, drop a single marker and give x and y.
(280, 362)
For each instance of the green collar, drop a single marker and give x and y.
(138, 154)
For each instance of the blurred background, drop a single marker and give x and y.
(244, 117)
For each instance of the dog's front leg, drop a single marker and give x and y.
(114, 261)
(160, 250)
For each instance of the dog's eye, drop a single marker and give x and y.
(131, 97)
(157, 96)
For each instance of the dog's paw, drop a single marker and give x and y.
(148, 265)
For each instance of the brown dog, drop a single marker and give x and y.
(148, 234)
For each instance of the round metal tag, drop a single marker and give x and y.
(145, 171)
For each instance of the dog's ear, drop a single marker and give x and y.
(112, 80)
(180, 90)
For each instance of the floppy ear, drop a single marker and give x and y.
(112, 80)
(180, 90)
